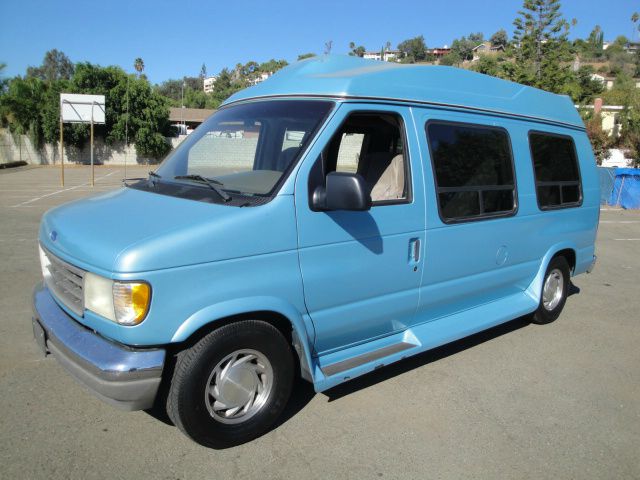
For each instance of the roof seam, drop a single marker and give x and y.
(413, 102)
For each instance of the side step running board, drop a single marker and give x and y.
(354, 362)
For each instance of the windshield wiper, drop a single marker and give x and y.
(138, 179)
(213, 184)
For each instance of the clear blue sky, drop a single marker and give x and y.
(175, 38)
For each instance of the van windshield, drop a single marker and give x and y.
(245, 149)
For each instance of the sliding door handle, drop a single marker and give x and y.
(414, 250)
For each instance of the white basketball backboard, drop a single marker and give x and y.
(80, 108)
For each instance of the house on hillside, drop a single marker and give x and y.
(439, 52)
(386, 56)
(486, 48)
(632, 47)
(260, 78)
(184, 120)
(609, 82)
(208, 84)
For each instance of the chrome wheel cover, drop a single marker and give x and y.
(239, 386)
(553, 289)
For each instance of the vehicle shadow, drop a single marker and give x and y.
(573, 289)
(430, 356)
(303, 391)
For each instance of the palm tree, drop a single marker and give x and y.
(3, 81)
(634, 18)
(138, 64)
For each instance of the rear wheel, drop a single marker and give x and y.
(232, 385)
(555, 288)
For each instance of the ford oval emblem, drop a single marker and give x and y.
(53, 235)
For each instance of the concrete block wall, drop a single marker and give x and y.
(15, 148)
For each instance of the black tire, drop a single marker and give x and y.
(544, 315)
(187, 399)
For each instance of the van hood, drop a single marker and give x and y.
(129, 230)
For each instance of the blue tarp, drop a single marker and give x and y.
(626, 188)
(606, 175)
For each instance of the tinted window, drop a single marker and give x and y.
(556, 169)
(473, 169)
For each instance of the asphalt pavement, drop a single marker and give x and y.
(520, 401)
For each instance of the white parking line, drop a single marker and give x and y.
(627, 239)
(59, 191)
(619, 221)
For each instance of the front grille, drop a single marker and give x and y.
(65, 282)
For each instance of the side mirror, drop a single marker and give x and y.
(344, 191)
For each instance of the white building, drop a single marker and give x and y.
(260, 78)
(209, 83)
(387, 56)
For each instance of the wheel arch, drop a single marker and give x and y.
(564, 249)
(283, 316)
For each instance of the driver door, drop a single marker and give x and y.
(361, 270)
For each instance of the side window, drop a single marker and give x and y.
(372, 145)
(556, 169)
(473, 169)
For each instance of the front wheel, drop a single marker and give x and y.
(555, 288)
(232, 385)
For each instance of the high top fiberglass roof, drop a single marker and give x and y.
(353, 77)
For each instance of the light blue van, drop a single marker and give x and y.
(338, 217)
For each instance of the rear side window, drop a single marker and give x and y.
(556, 169)
(473, 169)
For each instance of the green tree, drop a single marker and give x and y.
(20, 105)
(596, 39)
(224, 87)
(302, 56)
(487, 64)
(3, 81)
(600, 141)
(194, 83)
(32, 106)
(463, 46)
(138, 65)
(500, 38)
(625, 93)
(272, 66)
(55, 66)
(172, 89)
(542, 46)
(358, 51)
(413, 50)
(450, 59)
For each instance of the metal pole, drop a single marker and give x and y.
(92, 168)
(61, 151)
(126, 131)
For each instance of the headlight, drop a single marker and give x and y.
(126, 303)
(44, 263)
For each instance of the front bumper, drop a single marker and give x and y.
(122, 376)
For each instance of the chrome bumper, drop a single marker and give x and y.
(122, 376)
